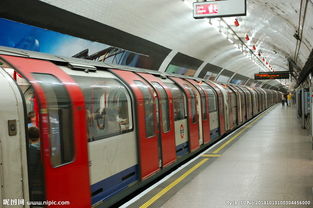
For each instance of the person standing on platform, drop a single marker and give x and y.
(285, 98)
(289, 99)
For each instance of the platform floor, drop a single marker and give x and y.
(271, 160)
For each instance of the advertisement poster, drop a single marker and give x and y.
(27, 37)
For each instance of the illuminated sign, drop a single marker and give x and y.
(206, 9)
(272, 75)
(222, 8)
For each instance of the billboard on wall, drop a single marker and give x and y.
(18, 35)
(180, 70)
(224, 8)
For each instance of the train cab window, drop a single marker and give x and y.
(179, 102)
(108, 107)
(149, 103)
(59, 109)
(164, 106)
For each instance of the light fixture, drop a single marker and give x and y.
(236, 23)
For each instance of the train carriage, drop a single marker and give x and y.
(106, 131)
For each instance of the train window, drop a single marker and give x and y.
(233, 99)
(193, 100)
(149, 103)
(179, 102)
(203, 104)
(164, 106)
(59, 109)
(29, 99)
(108, 107)
(212, 101)
(212, 98)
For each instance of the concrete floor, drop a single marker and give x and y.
(271, 161)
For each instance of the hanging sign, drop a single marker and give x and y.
(272, 75)
(222, 8)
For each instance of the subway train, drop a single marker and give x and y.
(104, 131)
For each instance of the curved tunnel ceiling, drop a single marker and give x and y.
(274, 27)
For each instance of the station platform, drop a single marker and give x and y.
(266, 163)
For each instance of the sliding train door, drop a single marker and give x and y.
(62, 126)
(221, 111)
(192, 111)
(205, 114)
(166, 117)
(146, 122)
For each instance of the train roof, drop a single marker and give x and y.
(85, 64)
(79, 63)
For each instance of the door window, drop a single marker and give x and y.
(163, 100)
(179, 102)
(193, 101)
(149, 103)
(212, 98)
(59, 110)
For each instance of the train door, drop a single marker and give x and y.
(254, 101)
(232, 107)
(260, 98)
(147, 121)
(239, 104)
(180, 118)
(235, 106)
(13, 168)
(248, 102)
(263, 98)
(63, 150)
(221, 110)
(226, 106)
(244, 103)
(192, 112)
(204, 119)
(213, 111)
(166, 115)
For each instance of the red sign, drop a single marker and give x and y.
(206, 9)
(219, 8)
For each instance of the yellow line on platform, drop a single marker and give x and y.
(174, 183)
(229, 141)
(195, 167)
(211, 155)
